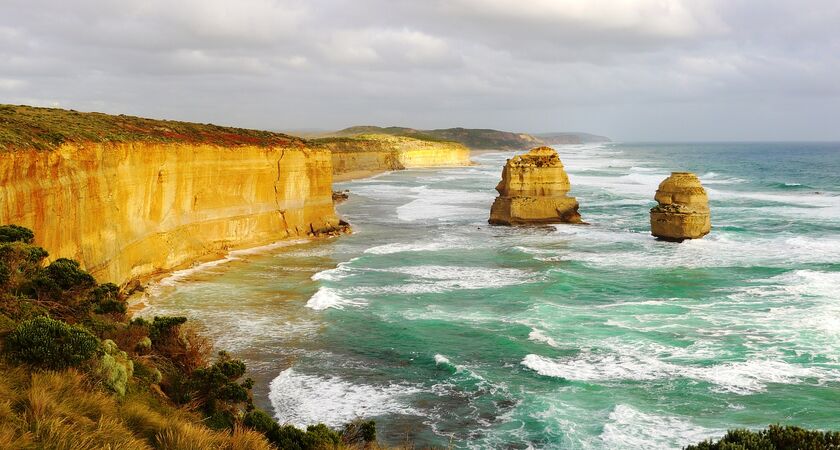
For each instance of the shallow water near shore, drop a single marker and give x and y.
(446, 330)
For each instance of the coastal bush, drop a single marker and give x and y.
(50, 344)
(184, 348)
(23, 262)
(115, 368)
(106, 300)
(315, 437)
(15, 233)
(360, 432)
(5, 273)
(113, 383)
(163, 327)
(218, 389)
(775, 437)
(66, 274)
(132, 337)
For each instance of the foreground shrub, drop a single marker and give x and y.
(115, 368)
(22, 262)
(15, 233)
(64, 274)
(5, 273)
(218, 389)
(775, 437)
(106, 300)
(164, 327)
(50, 344)
(359, 433)
(288, 437)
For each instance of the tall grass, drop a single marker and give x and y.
(64, 411)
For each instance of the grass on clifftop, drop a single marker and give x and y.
(474, 138)
(27, 127)
(365, 141)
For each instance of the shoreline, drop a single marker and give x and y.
(146, 286)
(140, 287)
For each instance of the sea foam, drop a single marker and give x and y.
(301, 399)
(630, 429)
(326, 298)
(742, 377)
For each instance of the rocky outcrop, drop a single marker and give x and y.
(534, 190)
(683, 209)
(363, 156)
(129, 209)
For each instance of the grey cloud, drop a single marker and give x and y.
(648, 69)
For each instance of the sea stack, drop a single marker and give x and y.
(683, 209)
(533, 191)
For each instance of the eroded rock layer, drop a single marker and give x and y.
(683, 209)
(366, 155)
(534, 190)
(125, 210)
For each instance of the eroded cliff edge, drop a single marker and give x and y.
(129, 197)
(125, 210)
(366, 155)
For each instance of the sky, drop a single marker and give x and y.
(650, 70)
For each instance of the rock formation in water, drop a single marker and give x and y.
(683, 209)
(340, 196)
(533, 191)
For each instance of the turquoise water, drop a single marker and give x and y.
(449, 331)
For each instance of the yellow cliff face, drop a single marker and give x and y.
(533, 190)
(367, 155)
(126, 210)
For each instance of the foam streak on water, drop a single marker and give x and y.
(449, 331)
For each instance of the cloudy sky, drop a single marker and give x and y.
(629, 69)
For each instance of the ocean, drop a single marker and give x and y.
(450, 332)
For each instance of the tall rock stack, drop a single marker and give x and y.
(683, 209)
(533, 191)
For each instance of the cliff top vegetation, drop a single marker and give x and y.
(374, 141)
(28, 127)
(471, 137)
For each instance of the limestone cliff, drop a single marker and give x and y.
(683, 209)
(129, 196)
(366, 155)
(533, 190)
(130, 209)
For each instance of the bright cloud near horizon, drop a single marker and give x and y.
(629, 69)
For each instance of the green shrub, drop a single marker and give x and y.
(23, 262)
(359, 433)
(321, 436)
(115, 368)
(259, 420)
(163, 327)
(5, 273)
(775, 437)
(6, 323)
(14, 233)
(217, 387)
(50, 344)
(106, 299)
(288, 437)
(67, 274)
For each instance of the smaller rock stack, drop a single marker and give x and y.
(683, 209)
(533, 191)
